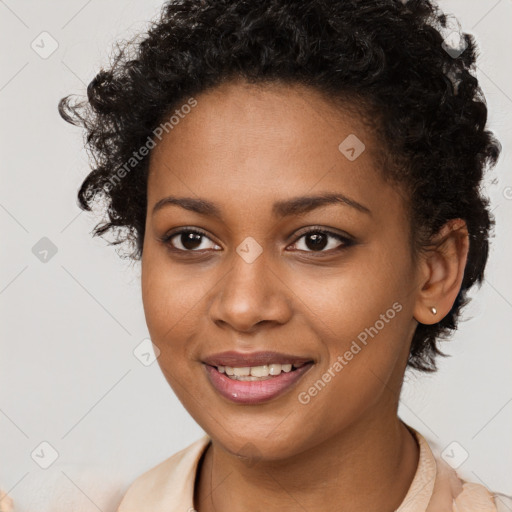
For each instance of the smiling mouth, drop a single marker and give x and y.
(257, 384)
(258, 373)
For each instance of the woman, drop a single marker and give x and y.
(301, 182)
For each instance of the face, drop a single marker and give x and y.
(246, 265)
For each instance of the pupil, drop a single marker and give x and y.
(316, 241)
(319, 241)
(191, 240)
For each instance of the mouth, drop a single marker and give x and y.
(258, 373)
(244, 379)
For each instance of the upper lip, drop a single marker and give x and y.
(241, 359)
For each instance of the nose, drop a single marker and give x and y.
(251, 294)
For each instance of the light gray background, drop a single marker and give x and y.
(69, 326)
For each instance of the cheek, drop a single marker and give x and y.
(173, 298)
(364, 342)
(167, 298)
(168, 307)
(361, 315)
(353, 297)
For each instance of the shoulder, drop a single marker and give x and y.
(466, 496)
(170, 482)
(6, 504)
(438, 486)
(503, 502)
(475, 497)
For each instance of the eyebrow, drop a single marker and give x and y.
(285, 208)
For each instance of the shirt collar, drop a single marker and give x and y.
(422, 486)
(417, 498)
(169, 486)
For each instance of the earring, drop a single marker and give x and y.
(434, 310)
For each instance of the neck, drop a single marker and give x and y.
(369, 466)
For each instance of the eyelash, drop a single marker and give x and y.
(345, 240)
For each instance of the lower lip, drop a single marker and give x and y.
(254, 392)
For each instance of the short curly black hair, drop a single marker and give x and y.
(416, 86)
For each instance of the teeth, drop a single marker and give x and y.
(260, 371)
(248, 372)
(242, 372)
(274, 369)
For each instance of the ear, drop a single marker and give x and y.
(441, 268)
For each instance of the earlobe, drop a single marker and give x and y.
(442, 270)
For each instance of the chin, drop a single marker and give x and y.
(257, 446)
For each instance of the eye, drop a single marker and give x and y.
(188, 240)
(316, 240)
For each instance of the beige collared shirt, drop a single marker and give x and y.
(436, 487)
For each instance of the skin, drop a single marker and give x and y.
(244, 147)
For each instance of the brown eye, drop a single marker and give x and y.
(322, 241)
(188, 240)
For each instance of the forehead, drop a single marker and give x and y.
(251, 116)
(247, 142)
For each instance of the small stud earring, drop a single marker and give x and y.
(434, 310)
